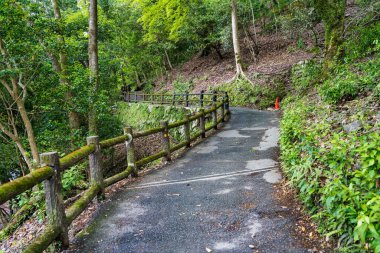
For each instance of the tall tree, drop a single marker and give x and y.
(93, 63)
(60, 66)
(235, 39)
(16, 58)
(332, 13)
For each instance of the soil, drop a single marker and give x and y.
(278, 54)
(305, 229)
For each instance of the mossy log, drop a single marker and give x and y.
(19, 185)
(74, 157)
(178, 146)
(80, 205)
(148, 132)
(209, 110)
(44, 240)
(112, 142)
(196, 116)
(208, 128)
(150, 159)
(18, 218)
(177, 124)
(196, 136)
(120, 176)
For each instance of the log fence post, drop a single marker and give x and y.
(227, 104)
(202, 123)
(95, 163)
(131, 152)
(55, 209)
(187, 130)
(201, 97)
(222, 110)
(215, 116)
(214, 97)
(187, 99)
(173, 99)
(166, 140)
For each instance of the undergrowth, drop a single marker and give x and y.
(143, 117)
(330, 147)
(242, 93)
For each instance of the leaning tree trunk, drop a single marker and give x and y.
(93, 63)
(332, 13)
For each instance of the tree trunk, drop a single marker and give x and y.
(93, 63)
(29, 130)
(61, 68)
(168, 59)
(332, 13)
(235, 38)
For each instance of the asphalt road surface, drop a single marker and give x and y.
(218, 197)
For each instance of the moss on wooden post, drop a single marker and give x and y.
(187, 99)
(215, 116)
(222, 111)
(201, 97)
(214, 97)
(202, 123)
(187, 130)
(227, 102)
(131, 151)
(55, 210)
(173, 99)
(95, 162)
(166, 140)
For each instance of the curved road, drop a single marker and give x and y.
(218, 197)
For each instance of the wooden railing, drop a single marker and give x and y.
(185, 99)
(50, 173)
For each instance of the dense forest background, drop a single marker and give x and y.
(323, 52)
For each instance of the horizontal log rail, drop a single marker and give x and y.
(50, 173)
(184, 99)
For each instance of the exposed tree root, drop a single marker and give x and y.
(241, 75)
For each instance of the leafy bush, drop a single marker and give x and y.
(364, 42)
(143, 116)
(74, 179)
(242, 93)
(349, 80)
(181, 86)
(305, 75)
(335, 172)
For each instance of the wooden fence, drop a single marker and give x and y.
(186, 99)
(50, 173)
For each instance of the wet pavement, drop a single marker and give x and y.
(219, 196)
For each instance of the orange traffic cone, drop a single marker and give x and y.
(277, 105)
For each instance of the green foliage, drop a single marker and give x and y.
(349, 80)
(364, 41)
(242, 93)
(144, 117)
(334, 171)
(73, 179)
(182, 86)
(305, 76)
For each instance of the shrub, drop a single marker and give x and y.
(305, 75)
(335, 172)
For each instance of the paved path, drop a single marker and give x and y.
(218, 196)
